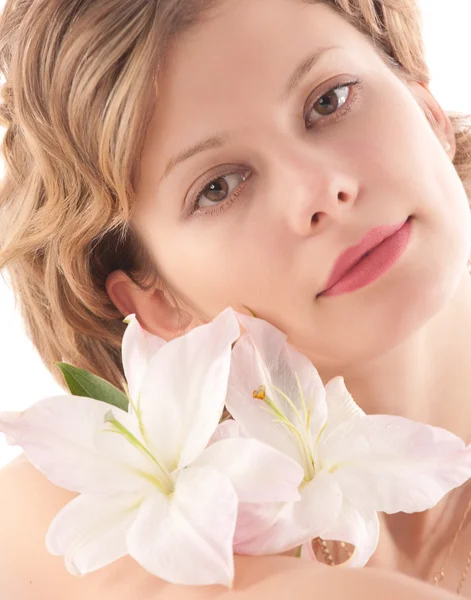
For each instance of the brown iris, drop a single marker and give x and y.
(217, 190)
(324, 103)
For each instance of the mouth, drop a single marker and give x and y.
(362, 264)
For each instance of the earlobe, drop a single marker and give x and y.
(155, 313)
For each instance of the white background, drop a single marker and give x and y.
(25, 380)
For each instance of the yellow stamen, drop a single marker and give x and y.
(289, 402)
(259, 393)
(280, 417)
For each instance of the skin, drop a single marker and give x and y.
(29, 572)
(314, 185)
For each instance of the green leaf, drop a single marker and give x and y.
(84, 383)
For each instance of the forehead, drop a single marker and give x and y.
(253, 43)
(228, 71)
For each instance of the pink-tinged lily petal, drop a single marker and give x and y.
(138, 348)
(266, 528)
(258, 472)
(226, 429)
(254, 417)
(64, 438)
(307, 552)
(90, 531)
(275, 528)
(187, 538)
(320, 505)
(341, 407)
(184, 388)
(391, 464)
(360, 528)
(274, 363)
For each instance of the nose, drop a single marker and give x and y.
(314, 190)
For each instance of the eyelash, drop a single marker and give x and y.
(225, 204)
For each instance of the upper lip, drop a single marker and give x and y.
(352, 255)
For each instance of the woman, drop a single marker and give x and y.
(173, 158)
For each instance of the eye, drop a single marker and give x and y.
(218, 193)
(337, 101)
(219, 190)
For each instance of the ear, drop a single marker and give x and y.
(154, 311)
(439, 119)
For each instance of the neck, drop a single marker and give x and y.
(426, 379)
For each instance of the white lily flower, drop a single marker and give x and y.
(150, 485)
(355, 465)
(138, 348)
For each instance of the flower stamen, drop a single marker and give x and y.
(280, 417)
(259, 393)
(119, 428)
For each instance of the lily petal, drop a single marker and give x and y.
(340, 405)
(307, 552)
(258, 472)
(266, 528)
(277, 365)
(184, 389)
(90, 531)
(255, 418)
(187, 538)
(320, 505)
(226, 429)
(64, 438)
(391, 464)
(252, 416)
(358, 528)
(138, 348)
(275, 528)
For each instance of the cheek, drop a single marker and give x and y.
(203, 267)
(228, 260)
(440, 204)
(405, 173)
(392, 135)
(408, 172)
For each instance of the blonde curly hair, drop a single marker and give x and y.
(80, 87)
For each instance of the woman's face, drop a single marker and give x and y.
(276, 184)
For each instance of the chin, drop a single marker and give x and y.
(383, 315)
(423, 300)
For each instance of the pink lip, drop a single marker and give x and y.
(353, 270)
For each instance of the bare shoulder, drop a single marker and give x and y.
(29, 502)
(285, 578)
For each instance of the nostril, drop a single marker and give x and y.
(343, 197)
(316, 218)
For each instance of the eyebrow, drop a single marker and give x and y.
(217, 141)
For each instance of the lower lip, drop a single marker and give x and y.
(370, 268)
